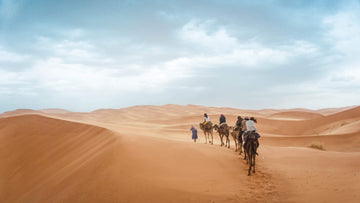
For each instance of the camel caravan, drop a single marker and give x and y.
(244, 133)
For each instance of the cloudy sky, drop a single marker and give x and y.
(86, 55)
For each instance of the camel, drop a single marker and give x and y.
(208, 131)
(223, 131)
(250, 152)
(237, 139)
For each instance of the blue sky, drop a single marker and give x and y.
(86, 55)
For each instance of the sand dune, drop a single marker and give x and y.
(144, 154)
(40, 156)
(19, 112)
(345, 127)
(295, 115)
(315, 126)
(328, 111)
(340, 142)
(54, 111)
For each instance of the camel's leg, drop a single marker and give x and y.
(221, 139)
(236, 145)
(250, 155)
(253, 162)
(234, 141)
(246, 157)
(212, 139)
(249, 158)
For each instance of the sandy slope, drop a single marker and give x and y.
(295, 115)
(19, 112)
(314, 175)
(39, 155)
(144, 154)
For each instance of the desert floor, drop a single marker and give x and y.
(145, 154)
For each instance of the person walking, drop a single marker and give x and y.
(194, 133)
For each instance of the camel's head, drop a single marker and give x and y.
(216, 127)
(201, 126)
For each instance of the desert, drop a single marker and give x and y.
(145, 154)
(179, 101)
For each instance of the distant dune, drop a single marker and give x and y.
(54, 111)
(19, 112)
(295, 115)
(145, 154)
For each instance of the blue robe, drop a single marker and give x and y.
(194, 133)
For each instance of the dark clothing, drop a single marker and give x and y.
(222, 119)
(194, 133)
(240, 136)
(238, 122)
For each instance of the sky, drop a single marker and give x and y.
(94, 54)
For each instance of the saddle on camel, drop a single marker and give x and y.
(207, 127)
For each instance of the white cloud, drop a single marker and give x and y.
(55, 75)
(77, 52)
(9, 78)
(6, 56)
(300, 48)
(218, 48)
(340, 85)
(78, 67)
(199, 34)
(344, 35)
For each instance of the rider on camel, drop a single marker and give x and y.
(206, 119)
(222, 120)
(251, 128)
(238, 126)
(238, 123)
